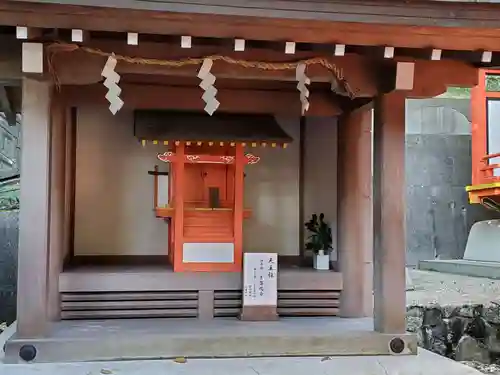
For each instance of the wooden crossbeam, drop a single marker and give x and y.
(391, 24)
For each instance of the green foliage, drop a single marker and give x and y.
(493, 82)
(320, 237)
(456, 93)
(9, 198)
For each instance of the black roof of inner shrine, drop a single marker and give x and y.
(164, 125)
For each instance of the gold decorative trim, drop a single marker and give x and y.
(491, 185)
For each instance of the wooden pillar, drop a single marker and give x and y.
(238, 206)
(57, 205)
(479, 146)
(33, 250)
(179, 177)
(69, 182)
(354, 213)
(389, 247)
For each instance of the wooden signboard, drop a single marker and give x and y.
(260, 287)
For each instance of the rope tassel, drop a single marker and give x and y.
(111, 83)
(303, 80)
(207, 84)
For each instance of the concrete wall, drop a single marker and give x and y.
(438, 167)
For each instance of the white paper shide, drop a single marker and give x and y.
(112, 78)
(260, 279)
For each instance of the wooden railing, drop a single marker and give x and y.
(488, 170)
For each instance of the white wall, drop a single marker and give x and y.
(272, 192)
(114, 193)
(320, 171)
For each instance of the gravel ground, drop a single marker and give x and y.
(485, 369)
(447, 289)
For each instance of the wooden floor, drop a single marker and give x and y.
(169, 338)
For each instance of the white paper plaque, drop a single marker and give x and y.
(260, 279)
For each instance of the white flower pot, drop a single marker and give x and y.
(321, 261)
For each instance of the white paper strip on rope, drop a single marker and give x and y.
(207, 84)
(111, 83)
(303, 80)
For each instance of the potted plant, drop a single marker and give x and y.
(319, 241)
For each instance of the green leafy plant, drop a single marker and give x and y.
(320, 237)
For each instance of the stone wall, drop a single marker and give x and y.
(438, 167)
(8, 264)
(464, 333)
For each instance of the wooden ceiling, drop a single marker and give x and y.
(373, 26)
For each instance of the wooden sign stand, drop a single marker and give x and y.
(260, 287)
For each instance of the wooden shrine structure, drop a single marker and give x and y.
(485, 187)
(99, 266)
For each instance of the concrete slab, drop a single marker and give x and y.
(463, 267)
(481, 257)
(72, 341)
(424, 363)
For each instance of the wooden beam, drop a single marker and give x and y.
(382, 11)
(189, 98)
(380, 24)
(34, 216)
(82, 68)
(389, 213)
(348, 105)
(432, 78)
(365, 76)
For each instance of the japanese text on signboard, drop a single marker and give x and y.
(260, 274)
